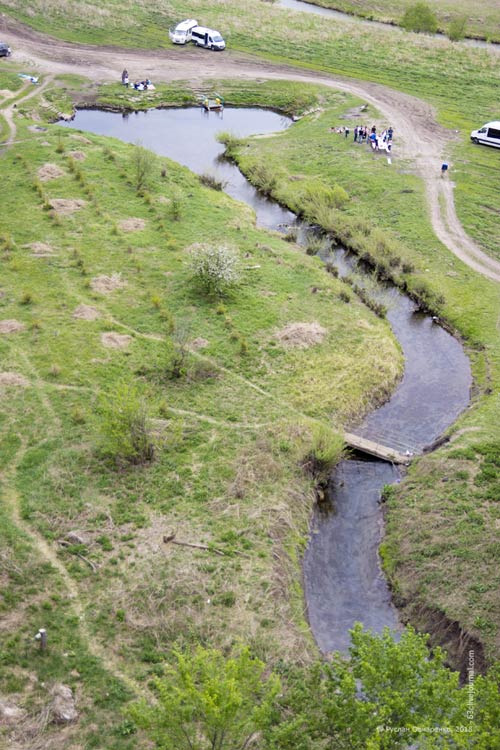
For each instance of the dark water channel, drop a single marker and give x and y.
(342, 575)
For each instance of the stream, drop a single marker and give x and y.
(343, 581)
(307, 7)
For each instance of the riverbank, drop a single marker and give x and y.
(96, 296)
(485, 28)
(440, 500)
(406, 250)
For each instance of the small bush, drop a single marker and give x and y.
(143, 167)
(324, 451)
(420, 18)
(215, 268)
(26, 299)
(176, 204)
(212, 181)
(457, 28)
(123, 426)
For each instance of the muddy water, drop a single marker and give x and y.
(342, 577)
(307, 7)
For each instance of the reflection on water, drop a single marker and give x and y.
(189, 137)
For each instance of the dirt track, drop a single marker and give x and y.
(419, 137)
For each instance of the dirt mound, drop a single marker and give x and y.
(301, 335)
(66, 206)
(50, 172)
(131, 225)
(115, 340)
(86, 312)
(82, 139)
(13, 378)
(11, 326)
(199, 343)
(107, 284)
(40, 249)
(78, 155)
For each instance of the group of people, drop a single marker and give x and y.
(138, 85)
(378, 142)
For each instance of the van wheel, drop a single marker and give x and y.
(476, 141)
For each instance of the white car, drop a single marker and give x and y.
(489, 134)
(181, 33)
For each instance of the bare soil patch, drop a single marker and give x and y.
(50, 172)
(86, 312)
(131, 225)
(11, 326)
(107, 284)
(301, 335)
(199, 343)
(78, 155)
(82, 139)
(13, 379)
(40, 249)
(115, 340)
(67, 206)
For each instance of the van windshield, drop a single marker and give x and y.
(218, 38)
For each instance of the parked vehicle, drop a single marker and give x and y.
(5, 50)
(489, 134)
(181, 33)
(208, 38)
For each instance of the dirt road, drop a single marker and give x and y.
(420, 138)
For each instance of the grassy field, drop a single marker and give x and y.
(441, 548)
(481, 24)
(97, 293)
(429, 68)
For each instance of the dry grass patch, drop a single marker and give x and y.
(13, 379)
(86, 312)
(66, 206)
(11, 326)
(301, 335)
(81, 139)
(40, 249)
(50, 172)
(107, 284)
(78, 155)
(115, 340)
(199, 343)
(131, 225)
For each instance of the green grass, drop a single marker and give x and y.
(428, 68)
(486, 26)
(425, 510)
(231, 435)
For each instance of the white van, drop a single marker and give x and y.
(208, 38)
(181, 33)
(489, 134)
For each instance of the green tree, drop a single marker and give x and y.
(420, 17)
(123, 425)
(209, 702)
(389, 694)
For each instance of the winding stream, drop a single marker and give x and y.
(342, 576)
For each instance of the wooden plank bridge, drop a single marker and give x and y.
(378, 450)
